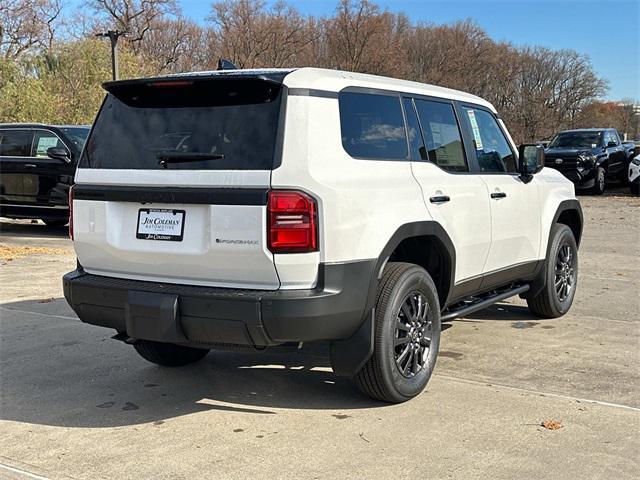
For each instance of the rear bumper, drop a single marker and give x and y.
(192, 315)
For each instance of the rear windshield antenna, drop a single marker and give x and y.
(224, 64)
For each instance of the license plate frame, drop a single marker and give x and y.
(166, 236)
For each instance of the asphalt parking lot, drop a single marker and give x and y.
(76, 404)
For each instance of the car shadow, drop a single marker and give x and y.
(58, 371)
(24, 228)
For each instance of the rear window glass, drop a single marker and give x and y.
(15, 143)
(442, 135)
(218, 124)
(372, 126)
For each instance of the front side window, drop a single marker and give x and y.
(492, 148)
(372, 126)
(43, 141)
(15, 143)
(442, 135)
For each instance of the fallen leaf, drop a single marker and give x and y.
(7, 252)
(46, 300)
(552, 424)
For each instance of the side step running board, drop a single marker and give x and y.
(484, 303)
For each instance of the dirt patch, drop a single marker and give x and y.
(524, 324)
(8, 253)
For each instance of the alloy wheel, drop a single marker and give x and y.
(564, 272)
(413, 333)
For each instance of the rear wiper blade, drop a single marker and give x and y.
(183, 157)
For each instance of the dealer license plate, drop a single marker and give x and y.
(160, 224)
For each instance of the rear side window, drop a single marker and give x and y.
(442, 135)
(418, 151)
(15, 143)
(372, 126)
(220, 124)
(492, 148)
(44, 140)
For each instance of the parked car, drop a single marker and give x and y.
(634, 175)
(588, 157)
(37, 165)
(311, 205)
(629, 148)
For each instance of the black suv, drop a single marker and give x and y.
(588, 157)
(37, 165)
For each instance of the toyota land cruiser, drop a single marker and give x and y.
(261, 207)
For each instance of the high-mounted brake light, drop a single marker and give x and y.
(292, 219)
(71, 212)
(171, 84)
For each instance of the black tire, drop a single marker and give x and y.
(55, 222)
(382, 377)
(553, 301)
(168, 354)
(600, 182)
(634, 188)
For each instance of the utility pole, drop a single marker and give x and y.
(113, 36)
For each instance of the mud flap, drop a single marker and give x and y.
(348, 356)
(153, 316)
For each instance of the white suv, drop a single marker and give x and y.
(261, 207)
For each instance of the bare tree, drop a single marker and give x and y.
(251, 36)
(136, 17)
(175, 45)
(27, 25)
(361, 38)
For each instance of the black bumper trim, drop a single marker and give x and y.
(334, 310)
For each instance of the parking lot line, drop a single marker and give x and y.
(536, 392)
(22, 472)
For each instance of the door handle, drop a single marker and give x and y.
(498, 195)
(439, 199)
(30, 165)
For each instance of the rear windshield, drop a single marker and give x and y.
(220, 124)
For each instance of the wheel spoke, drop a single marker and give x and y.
(400, 325)
(405, 310)
(403, 355)
(414, 307)
(400, 341)
(405, 370)
(416, 361)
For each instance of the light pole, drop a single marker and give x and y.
(113, 36)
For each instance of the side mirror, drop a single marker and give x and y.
(531, 160)
(612, 144)
(58, 153)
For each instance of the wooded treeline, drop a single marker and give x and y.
(52, 65)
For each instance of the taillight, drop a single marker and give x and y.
(71, 212)
(292, 218)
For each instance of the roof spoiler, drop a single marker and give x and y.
(199, 77)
